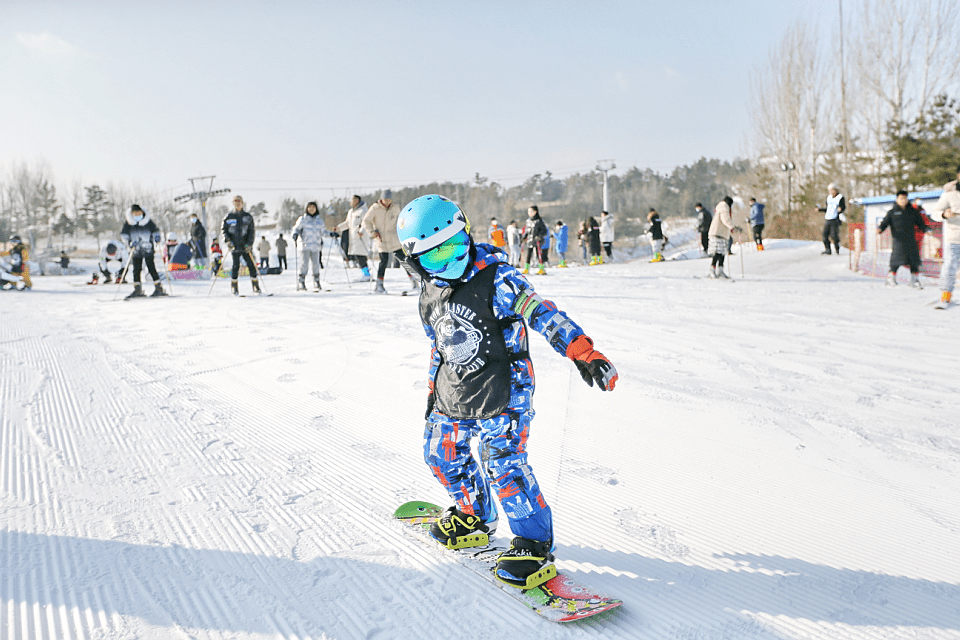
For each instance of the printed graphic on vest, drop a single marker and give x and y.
(458, 339)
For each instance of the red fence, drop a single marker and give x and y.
(872, 256)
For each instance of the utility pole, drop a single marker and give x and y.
(604, 166)
(843, 109)
(202, 195)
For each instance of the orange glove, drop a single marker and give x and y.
(593, 365)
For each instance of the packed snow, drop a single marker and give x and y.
(779, 459)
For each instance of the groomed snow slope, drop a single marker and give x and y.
(780, 459)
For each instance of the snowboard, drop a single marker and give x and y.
(560, 599)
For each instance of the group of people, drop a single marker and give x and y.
(537, 238)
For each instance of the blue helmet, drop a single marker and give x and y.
(436, 232)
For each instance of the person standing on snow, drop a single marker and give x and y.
(475, 309)
(721, 228)
(497, 237)
(562, 235)
(606, 234)
(902, 219)
(311, 230)
(513, 242)
(352, 229)
(947, 211)
(756, 222)
(533, 234)
(380, 224)
(704, 218)
(217, 255)
(281, 245)
(239, 232)
(141, 233)
(264, 248)
(198, 240)
(593, 234)
(835, 206)
(657, 241)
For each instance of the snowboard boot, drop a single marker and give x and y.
(526, 564)
(891, 279)
(458, 530)
(256, 286)
(915, 281)
(234, 287)
(302, 284)
(944, 300)
(137, 292)
(380, 288)
(158, 291)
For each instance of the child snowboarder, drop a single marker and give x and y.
(902, 219)
(475, 309)
(141, 233)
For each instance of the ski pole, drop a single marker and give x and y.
(740, 250)
(296, 261)
(123, 275)
(216, 274)
(345, 259)
(326, 267)
(166, 268)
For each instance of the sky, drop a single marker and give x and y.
(321, 99)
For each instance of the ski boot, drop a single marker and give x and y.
(944, 300)
(158, 291)
(720, 274)
(301, 284)
(256, 286)
(235, 287)
(526, 269)
(137, 292)
(713, 272)
(542, 271)
(526, 564)
(759, 246)
(915, 281)
(458, 530)
(380, 288)
(316, 283)
(364, 275)
(891, 279)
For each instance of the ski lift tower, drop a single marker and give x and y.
(202, 195)
(604, 166)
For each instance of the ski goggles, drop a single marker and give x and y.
(449, 258)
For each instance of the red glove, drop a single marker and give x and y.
(593, 365)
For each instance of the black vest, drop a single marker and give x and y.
(473, 381)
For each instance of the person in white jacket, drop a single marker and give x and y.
(947, 211)
(720, 229)
(607, 233)
(351, 236)
(310, 230)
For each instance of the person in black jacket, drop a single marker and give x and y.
(903, 219)
(239, 233)
(534, 233)
(141, 233)
(198, 240)
(704, 218)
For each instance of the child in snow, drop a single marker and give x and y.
(656, 235)
(947, 210)
(902, 219)
(19, 254)
(141, 233)
(562, 236)
(476, 308)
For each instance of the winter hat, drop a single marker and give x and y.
(386, 194)
(135, 207)
(833, 186)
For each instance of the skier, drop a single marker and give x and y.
(19, 256)
(264, 248)
(902, 219)
(721, 228)
(606, 234)
(311, 228)
(513, 242)
(239, 233)
(217, 255)
(475, 309)
(756, 223)
(704, 218)
(198, 240)
(534, 231)
(657, 241)
(141, 233)
(351, 236)
(562, 236)
(380, 224)
(947, 211)
(281, 245)
(112, 252)
(832, 217)
(593, 233)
